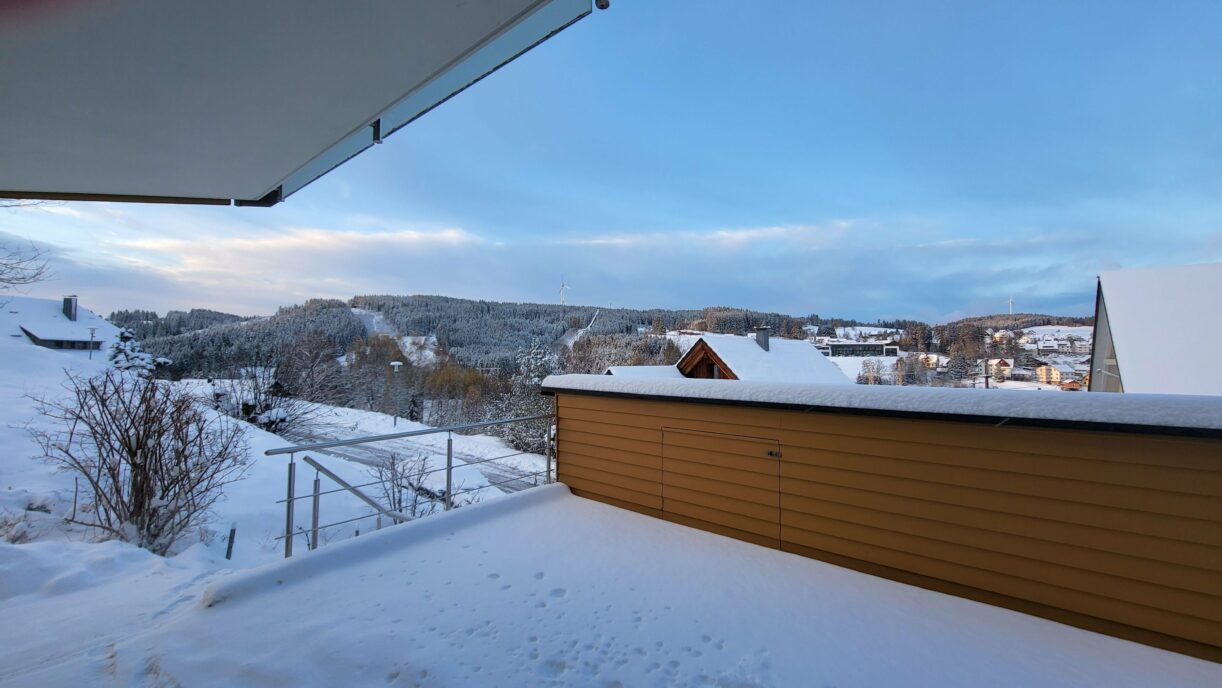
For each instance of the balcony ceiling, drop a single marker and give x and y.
(232, 100)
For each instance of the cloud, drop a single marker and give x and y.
(249, 262)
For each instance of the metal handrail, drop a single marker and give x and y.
(428, 472)
(446, 496)
(502, 482)
(399, 435)
(395, 515)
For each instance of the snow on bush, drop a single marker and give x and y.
(152, 461)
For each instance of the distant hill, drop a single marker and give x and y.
(1022, 321)
(147, 324)
(219, 349)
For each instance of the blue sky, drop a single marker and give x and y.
(882, 159)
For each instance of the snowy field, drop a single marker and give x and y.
(541, 589)
(1061, 331)
(851, 365)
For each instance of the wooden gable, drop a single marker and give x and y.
(701, 361)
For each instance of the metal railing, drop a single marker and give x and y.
(445, 497)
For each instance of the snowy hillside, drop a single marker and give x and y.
(1060, 331)
(420, 350)
(34, 497)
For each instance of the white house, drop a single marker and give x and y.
(52, 324)
(1128, 302)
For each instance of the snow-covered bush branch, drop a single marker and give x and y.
(154, 462)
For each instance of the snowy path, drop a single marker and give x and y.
(546, 589)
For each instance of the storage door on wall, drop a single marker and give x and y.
(725, 484)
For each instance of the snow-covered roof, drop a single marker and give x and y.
(1148, 410)
(45, 319)
(787, 360)
(654, 371)
(1182, 294)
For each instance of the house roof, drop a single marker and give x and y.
(204, 102)
(44, 318)
(1137, 298)
(656, 371)
(787, 360)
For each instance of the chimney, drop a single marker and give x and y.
(70, 307)
(761, 337)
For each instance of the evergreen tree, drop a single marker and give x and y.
(127, 356)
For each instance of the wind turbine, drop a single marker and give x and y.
(1011, 305)
(563, 288)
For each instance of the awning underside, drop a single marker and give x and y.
(244, 100)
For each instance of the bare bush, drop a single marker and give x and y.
(255, 396)
(401, 481)
(153, 461)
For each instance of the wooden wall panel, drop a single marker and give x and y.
(1120, 533)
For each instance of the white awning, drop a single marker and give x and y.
(232, 100)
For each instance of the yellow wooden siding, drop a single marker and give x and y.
(1117, 532)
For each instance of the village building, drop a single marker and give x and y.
(758, 358)
(834, 347)
(1126, 358)
(57, 324)
(1054, 373)
(1006, 365)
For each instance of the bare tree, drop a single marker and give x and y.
(401, 481)
(154, 462)
(309, 369)
(21, 266)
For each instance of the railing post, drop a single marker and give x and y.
(547, 455)
(449, 471)
(314, 512)
(288, 509)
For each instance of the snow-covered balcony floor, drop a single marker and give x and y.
(545, 588)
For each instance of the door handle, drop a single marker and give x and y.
(774, 454)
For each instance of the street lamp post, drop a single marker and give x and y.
(92, 331)
(396, 365)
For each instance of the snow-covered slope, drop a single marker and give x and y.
(1059, 331)
(539, 589)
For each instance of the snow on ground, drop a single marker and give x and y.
(45, 318)
(35, 497)
(374, 322)
(851, 365)
(29, 372)
(420, 350)
(569, 338)
(1029, 385)
(1060, 331)
(546, 589)
(339, 422)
